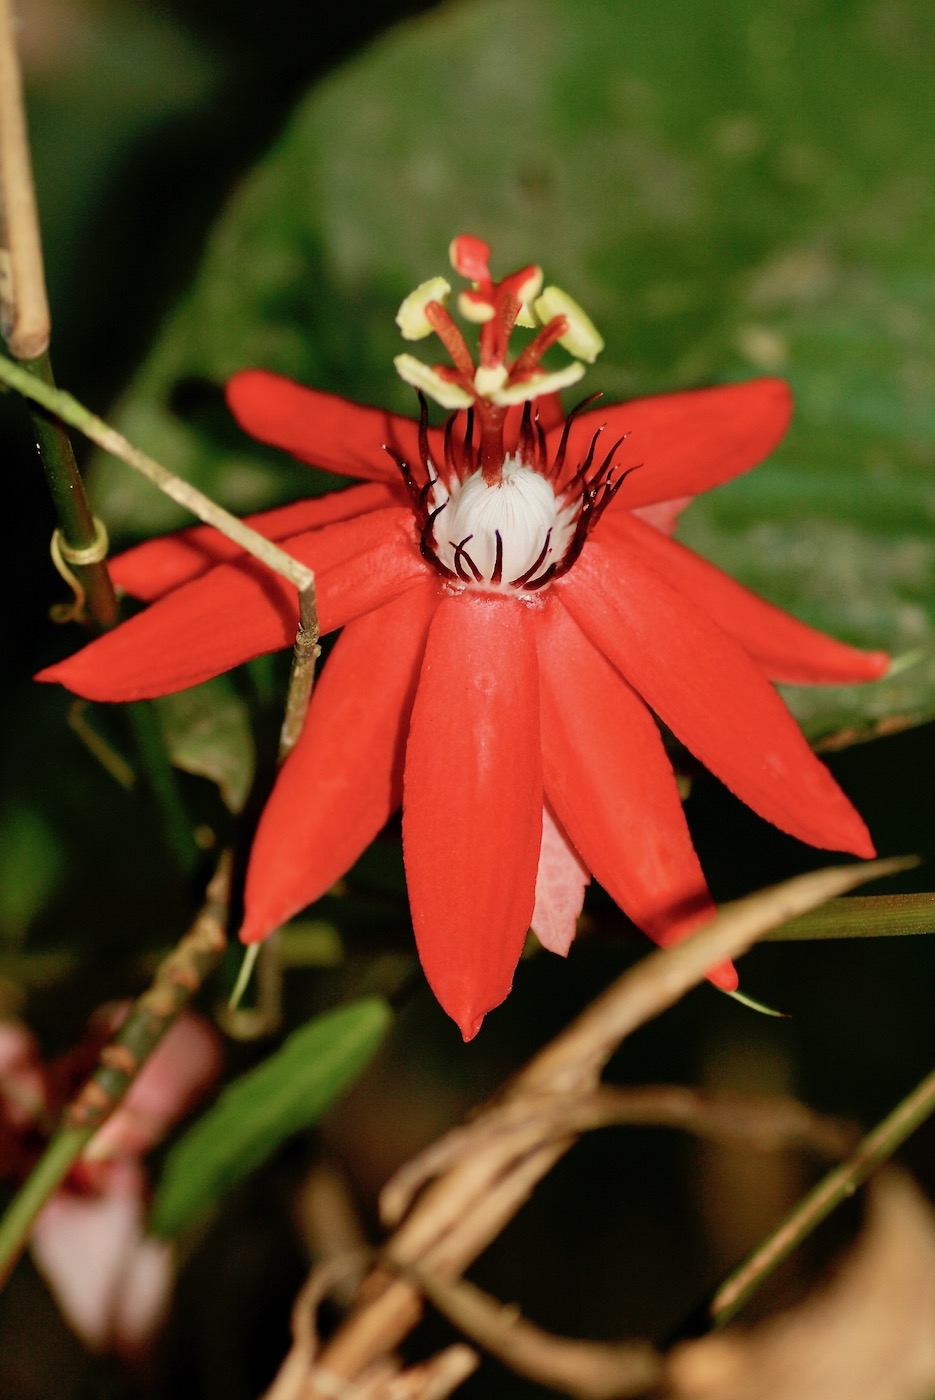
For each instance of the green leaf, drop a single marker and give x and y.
(207, 732)
(729, 189)
(284, 1095)
(32, 867)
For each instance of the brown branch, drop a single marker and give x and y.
(458, 1214)
(24, 308)
(585, 1370)
(766, 1122)
(177, 979)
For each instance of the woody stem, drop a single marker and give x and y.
(304, 656)
(25, 322)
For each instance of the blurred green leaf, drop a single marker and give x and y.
(103, 80)
(287, 1093)
(729, 189)
(32, 866)
(207, 732)
(310, 943)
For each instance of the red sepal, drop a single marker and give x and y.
(344, 779)
(322, 429)
(786, 649)
(711, 695)
(238, 611)
(611, 783)
(153, 568)
(683, 443)
(472, 811)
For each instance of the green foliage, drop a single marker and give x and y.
(31, 867)
(287, 1093)
(207, 732)
(730, 189)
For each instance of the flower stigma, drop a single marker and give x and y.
(490, 518)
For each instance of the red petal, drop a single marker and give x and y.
(472, 807)
(322, 429)
(785, 648)
(344, 779)
(684, 443)
(561, 880)
(238, 611)
(609, 778)
(711, 695)
(155, 567)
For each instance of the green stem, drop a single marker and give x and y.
(177, 979)
(863, 916)
(46, 1177)
(68, 495)
(876, 1148)
(66, 407)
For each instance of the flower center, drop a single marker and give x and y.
(494, 382)
(503, 535)
(520, 530)
(491, 519)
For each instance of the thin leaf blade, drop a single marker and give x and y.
(284, 1095)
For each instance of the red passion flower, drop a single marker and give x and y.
(515, 614)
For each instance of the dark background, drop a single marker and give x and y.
(628, 1233)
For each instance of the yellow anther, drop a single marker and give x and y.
(539, 384)
(582, 337)
(488, 379)
(528, 291)
(423, 377)
(411, 317)
(474, 309)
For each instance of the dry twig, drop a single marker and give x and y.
(514, 1142)
(24, 309)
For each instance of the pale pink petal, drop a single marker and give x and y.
(18, 1048)
(146, 1289)
(664, 515)
(22, 1084)
(110, 1282)
(561, 881)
